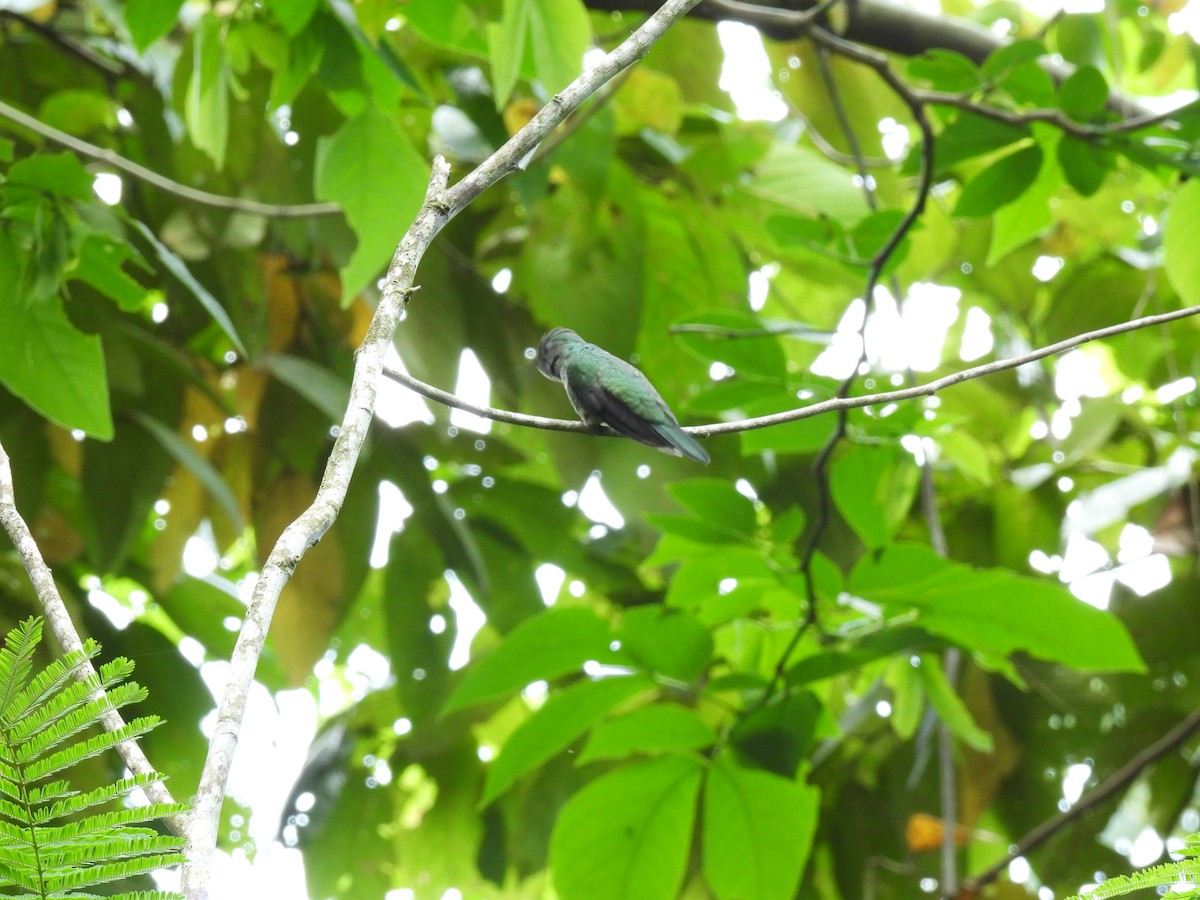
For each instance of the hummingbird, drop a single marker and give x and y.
(608, 391)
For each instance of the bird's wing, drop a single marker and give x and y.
(621, 397)
(631, 406)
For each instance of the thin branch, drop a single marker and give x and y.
(576, 122)
(1168, 743)
(930, 388)
(798, 23)
(64, 631)
(220, 201)
(805, 412)
(1056, 117)
(441, 204)
(80, 51)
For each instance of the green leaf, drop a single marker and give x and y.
(293, 15)
(78, 111)
(667, 641)
(806, 182)
(316, 384)
(1080, 38)
(1001, 61)
(560, 32)
(1084, 165)
(206, 104)
(371, 169)
(60, 174)
(758, 830)
(946, 70)
(628, 833)
(185, 454)
(1084, 95)
(148, 20)
(830, 663)
(873, 488)
(716, 501)
(658, 728)
(506, 48)
(950, 707)
(1030, 215)
(52, 365)
(754, 355)
(1182, 262)
(1000, 183)
(179, 269)
(995, 611)
(969, 135)
(99, 264)
(565, 716)
(798, 436)
(778, 737)
(698, 530)
(548, 645)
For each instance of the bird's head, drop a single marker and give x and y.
(554, 345)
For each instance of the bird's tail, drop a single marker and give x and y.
(683, 442)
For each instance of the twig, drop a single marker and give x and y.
(805, 412)
(940, 384)
(440, 206)
(64, 630)
(220, 201)
(1169, 742)
(80, 51)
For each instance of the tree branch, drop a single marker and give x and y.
(64, 631)
(303, 533)
(881, 24)
(237, 204)
(1169, 742)
(804, 412)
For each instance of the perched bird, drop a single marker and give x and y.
(608, 391)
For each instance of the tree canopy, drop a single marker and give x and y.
(921, 284)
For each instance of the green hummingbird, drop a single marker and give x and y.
(608, 391)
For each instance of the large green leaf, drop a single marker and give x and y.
(667, 641)
(560, 32)
(179, 269)
(551, 644)
(658, 728)
(995, 611)
(628, 833)
(758, 829)
(206, 105)
(187, 456)
(371, 169)
(873, 487)
(1179, 243)
(563, 718)
(51, 364)
(804, 181)
(1000, 183)
(316, 384)
(148, 20)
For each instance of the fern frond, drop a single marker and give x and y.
(106, 872)
(1178, 873)
(52, 836)
(75, 695)
(93, 746)
(16, 657)
(70, 723)
(75, 802)
(46, 683)
(55, 841)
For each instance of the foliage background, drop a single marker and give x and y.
(172, 370)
